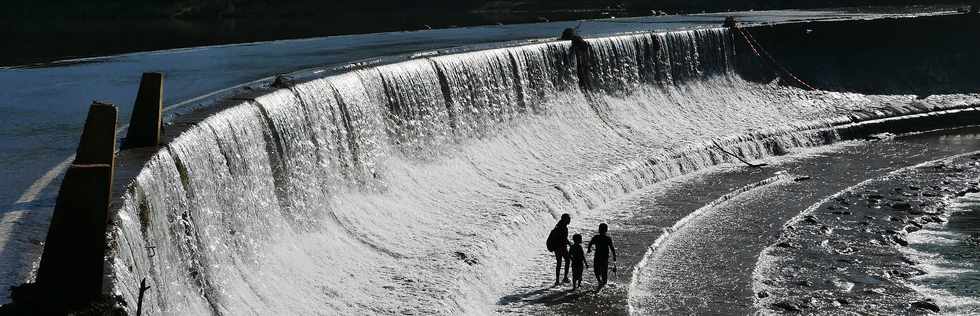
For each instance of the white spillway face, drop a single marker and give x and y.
(423, 186)
(621, 64)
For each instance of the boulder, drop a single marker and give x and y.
(926, 305)
(787, 306)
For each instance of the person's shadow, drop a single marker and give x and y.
(544, 296)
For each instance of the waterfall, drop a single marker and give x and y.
(422, 186)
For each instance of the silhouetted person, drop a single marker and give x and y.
(570, 34)
(730, 22)
(558, 243)
(577, 256)
(603, 245)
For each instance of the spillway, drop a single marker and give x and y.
(423, 185)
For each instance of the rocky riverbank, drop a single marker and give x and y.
(844, 254)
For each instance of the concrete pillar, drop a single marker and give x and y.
(71, 269)
(98, 142)
(580, 51)
(145, 123)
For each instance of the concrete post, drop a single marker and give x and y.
(71, 269)
(145, 122)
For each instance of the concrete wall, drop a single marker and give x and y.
(924, 55)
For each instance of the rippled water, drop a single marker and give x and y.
(950, 253)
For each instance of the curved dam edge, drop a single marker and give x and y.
(667, 232)
(855, 125)
(912, 115)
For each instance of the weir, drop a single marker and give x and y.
(431, 180)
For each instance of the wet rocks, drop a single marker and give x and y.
(859, 265)
(825, 230)
(926, 305)
(931, 194)
(788, 306)
(810, 219)
(900, 240)
(842, 285)
(974, 240)
(899, 274)
(787, 244)
(967, 191)
(801, 178)
(466, 259)
(901, 206)
(909, 260)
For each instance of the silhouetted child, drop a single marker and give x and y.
(603, 245)
(578, 260)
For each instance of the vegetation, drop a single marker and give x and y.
(207, 9)
(46, 30)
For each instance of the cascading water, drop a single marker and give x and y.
(421, 186)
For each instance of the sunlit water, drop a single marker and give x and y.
(421, 186)
(42, 106)
(950, 253)
(430, 181)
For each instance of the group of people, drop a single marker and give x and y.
(573, 256)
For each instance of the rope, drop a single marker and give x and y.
(765, 54)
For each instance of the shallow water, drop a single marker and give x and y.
(678, 279)
(950, 253)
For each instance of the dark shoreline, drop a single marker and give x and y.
(44, 39)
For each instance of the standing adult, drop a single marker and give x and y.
(558, 243)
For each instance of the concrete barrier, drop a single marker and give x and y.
(71, 270)
(925, 56)
(145, 122)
